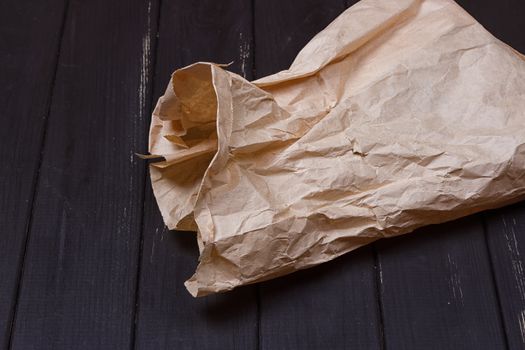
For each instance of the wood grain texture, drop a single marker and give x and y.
(168, 317)
(78, 282)
(29, 40)
(437, 291)
(506, 237)
(333, 306)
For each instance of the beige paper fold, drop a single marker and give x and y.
(399, 114)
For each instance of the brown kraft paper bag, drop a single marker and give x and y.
(401, 113)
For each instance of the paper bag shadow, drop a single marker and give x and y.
(356, 269)
(239, 304)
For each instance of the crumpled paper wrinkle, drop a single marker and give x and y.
(400, 114)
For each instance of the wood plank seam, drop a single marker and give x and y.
(253, 45)
(495, 282)
(379, 293)
(36, 176)
(253, 49)
(259, 313)
(148, 109)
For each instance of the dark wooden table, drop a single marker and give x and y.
(85, 260)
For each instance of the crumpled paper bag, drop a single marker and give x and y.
(401, 113)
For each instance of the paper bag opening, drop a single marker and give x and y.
(183, 131)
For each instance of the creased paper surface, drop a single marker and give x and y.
(401, 113)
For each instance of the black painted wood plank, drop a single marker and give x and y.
(29, 41)
(506, 237)
(79, 278)
(505, 228)
(332, 306)
(169, 318)
(503, 18)
(283, 28)
(453, 256)
(437, 289)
